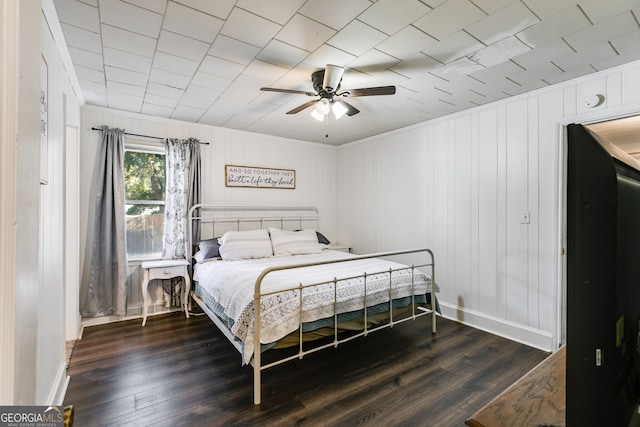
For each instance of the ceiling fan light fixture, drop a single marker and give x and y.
(338, 109)
(332, 77)
(323, 107)
(319, 117)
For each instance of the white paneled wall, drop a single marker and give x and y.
(483, 188)
(315, 166)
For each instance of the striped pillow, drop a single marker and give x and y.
(294, 242)
(237, 245)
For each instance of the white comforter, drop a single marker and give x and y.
(232, 283)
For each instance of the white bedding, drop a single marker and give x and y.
(232, 283)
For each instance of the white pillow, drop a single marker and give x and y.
(237, 245)
(294, 242)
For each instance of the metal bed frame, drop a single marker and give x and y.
(244, 218)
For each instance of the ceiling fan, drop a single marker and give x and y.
(326, 84)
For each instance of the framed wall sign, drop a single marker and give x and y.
(253, 177)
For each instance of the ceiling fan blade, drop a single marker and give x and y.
(371, 91)
(298, 92)
(351, 110)
(302, 107)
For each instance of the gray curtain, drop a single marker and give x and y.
(107, 292)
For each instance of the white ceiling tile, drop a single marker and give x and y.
(90, 74)
(133, 90)
(82, 39)
(357, 38)
(326, 54)
(602, 32)
(449, 18)
(126, 60)
(191, 23)
(179, 45)
(94, 93)
(495, 77)
(233, 50)
(304, 33)
(264, 71)
(249, 28)
(546, 8)
(614, 61)
(160, 100)
(216, 115)
(87, 59)
(554, 27)
(218, 8)
(209, 80)
(158, 6)
(242, 121)
(568, 75)
(539, 72)
(545, 53)
(279, 11)
(183, 112)
(156, 110)
(199, 97)
(491, 6)
(280, 53)
(416, 66)
(433, 3)
(164, 92)
(627, 44)
(169, 78)
(176, 64)
(126, 76)
(453, 47)
(459, 67)
(124, 15)
(598, 10)
(127, 41)
(220, 67)
(78, 14)
(373, 61)
(406, 43)
(506, 21)
(585, 57)
(500, 51)
(93, 3)
(123, 101)
(390, 16)
(348, 11)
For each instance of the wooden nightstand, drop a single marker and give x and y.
(165, 269)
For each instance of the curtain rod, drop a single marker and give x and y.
(147, 136)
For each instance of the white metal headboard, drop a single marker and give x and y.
(213, 221)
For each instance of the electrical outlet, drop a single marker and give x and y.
(525, 218)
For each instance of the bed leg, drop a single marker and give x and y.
(433, 321)
(256, 385)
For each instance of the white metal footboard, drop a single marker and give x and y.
(257, 358)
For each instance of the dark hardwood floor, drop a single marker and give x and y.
(177, 371)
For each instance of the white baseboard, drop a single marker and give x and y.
(133, 312)
(59, 387)
(536, 338)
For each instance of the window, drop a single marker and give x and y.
(144, 185)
